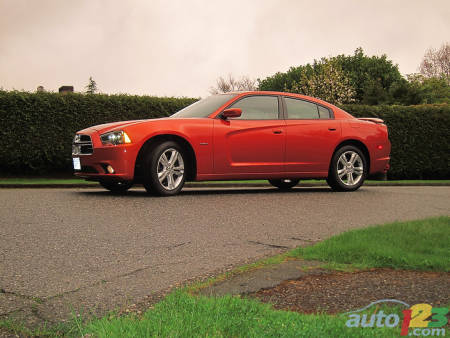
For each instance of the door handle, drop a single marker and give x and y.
(277, 131)
(332, 129)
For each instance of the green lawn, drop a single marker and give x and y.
(184, 315)
(47, 181)
(419, 245)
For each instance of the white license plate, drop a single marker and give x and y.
(76, 163)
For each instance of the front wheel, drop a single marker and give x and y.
(117, 187)
(284, 183)
(348, 169)
(165, 169)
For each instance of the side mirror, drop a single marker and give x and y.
(230, 113)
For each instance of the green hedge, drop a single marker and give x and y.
(420, 137)
(37, 130)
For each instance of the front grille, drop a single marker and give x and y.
(82, 145)
(85, 138)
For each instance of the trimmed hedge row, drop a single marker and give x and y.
(420, 137)
(37, 130)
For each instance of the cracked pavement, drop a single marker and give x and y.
(64, 250)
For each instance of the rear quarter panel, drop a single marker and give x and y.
(374, 136)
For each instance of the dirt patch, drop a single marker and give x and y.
(345, 291)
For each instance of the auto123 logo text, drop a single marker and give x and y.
(417, 320)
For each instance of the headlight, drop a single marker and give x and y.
(115, 138)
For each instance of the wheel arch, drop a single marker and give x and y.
(158, 139)
(358, 144)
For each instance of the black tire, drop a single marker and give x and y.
(345, 175)
(116, 187)
(154, 164)
(284, 183)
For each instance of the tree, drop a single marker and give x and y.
(436, 63)
(370, 77)
(91, 87)
(231, 84)
(327, 81)
(428, 89)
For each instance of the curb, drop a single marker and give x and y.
(213, 185)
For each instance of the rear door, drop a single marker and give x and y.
(253, 143)
(312, 134)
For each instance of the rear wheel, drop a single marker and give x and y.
(165, 169)
(348, 169)
(117, 187)
(284, 183)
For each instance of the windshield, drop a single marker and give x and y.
(204, 107)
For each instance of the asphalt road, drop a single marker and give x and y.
(64, 249)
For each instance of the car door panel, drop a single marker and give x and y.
(255, 141)
(311, 136)
(310, 144)
(249, 146)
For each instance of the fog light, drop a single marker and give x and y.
(110, 169)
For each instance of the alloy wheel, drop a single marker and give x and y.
(350, 168)
(170, 169)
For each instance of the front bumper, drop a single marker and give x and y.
(94, 166)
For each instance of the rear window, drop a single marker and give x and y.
(298, 109)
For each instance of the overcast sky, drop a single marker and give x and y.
(179, 48)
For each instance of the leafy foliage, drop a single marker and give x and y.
(367, 80)
(327, 81)
(421, 89)
(38, 128)
(372, 77)
(369, 77)
(419, 135)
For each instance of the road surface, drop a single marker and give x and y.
(64, 249)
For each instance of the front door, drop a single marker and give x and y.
(253, 143)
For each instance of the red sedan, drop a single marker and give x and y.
(281, 137)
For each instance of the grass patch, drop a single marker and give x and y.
(20, 330)
(418, 245)
(49, 181)
(184, 315)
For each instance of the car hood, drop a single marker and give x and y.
(104, 128)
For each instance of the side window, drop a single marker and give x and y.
(258, 108)
(299, 109)
(324, 113)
